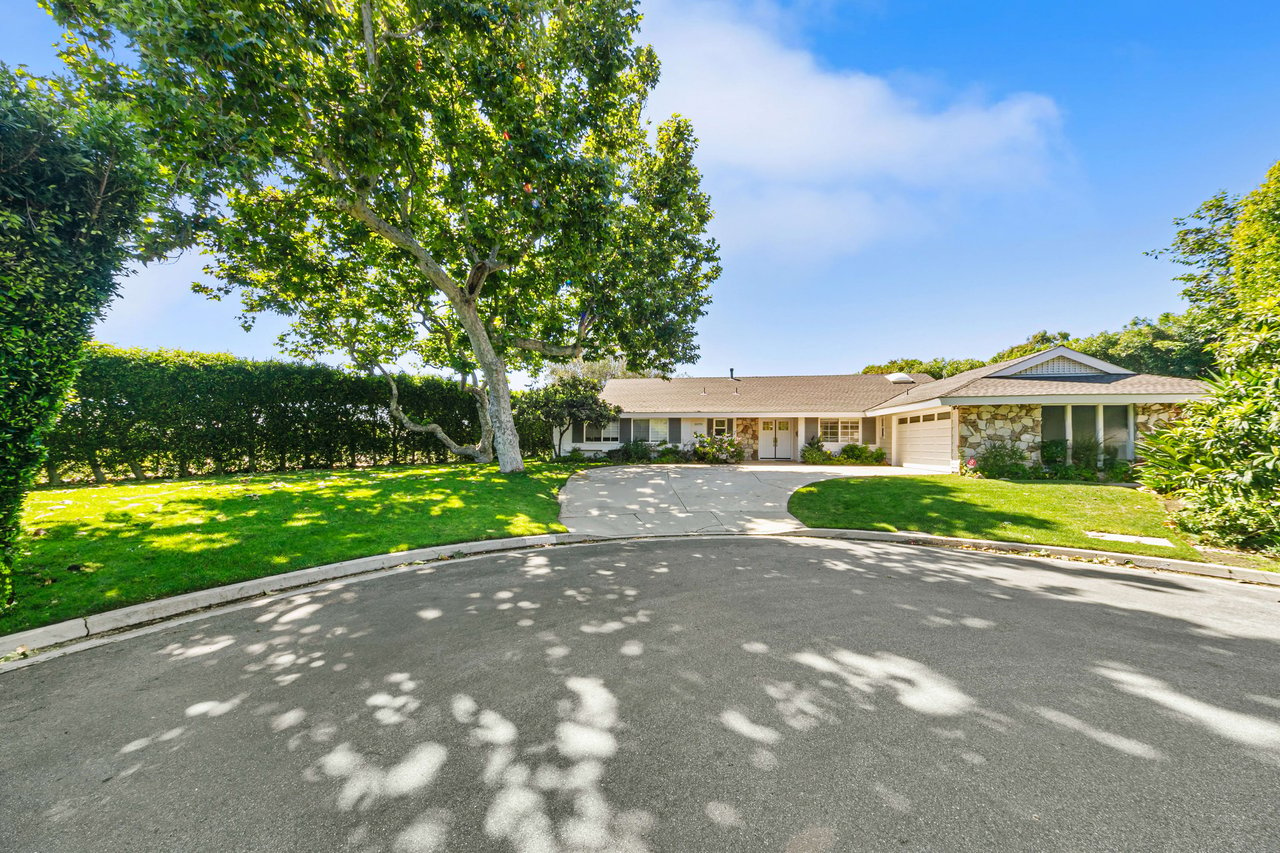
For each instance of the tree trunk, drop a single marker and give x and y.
(51, 472)
(96, 467)
(138, 473)
(506, 442)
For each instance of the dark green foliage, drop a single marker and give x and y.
(938, 368)
(1222, 460)
(860, 454)
(73, 184)
(1053, 453)
(171, 413)
(670, 453)
(813, 453)
(567, 400)
(1085, 451)
(632, 451)
(1002, 460)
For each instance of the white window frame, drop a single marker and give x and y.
(719, 426)
(610, 432)
(652, 427)
(845, 430)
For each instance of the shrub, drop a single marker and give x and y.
(1054, 453)
(575, 454)
(813, 453)
(632, 451)
(860, 454)
(1222, 460)
(717, 449)
(1001, 460)
(74, 182)
(1085, 452)
(671, 453)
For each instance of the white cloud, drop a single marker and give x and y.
(801, 156)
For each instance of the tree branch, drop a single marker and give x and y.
(366, 16)
(554, 350)
(481, 452)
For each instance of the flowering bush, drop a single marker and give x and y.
(717, 448)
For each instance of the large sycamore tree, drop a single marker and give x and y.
(473, 183)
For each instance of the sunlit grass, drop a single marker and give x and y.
(1042, 513)
(93, 548)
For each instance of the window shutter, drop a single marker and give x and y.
(673, 430)
(624, 430)
(579, 433)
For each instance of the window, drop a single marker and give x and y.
(915, 419)
(719, 426)
(902, 420)
(837, 431)
(649, 429)
(608, 432)
(944, 416)
(926, 417)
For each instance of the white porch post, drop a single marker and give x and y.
(1100, 434)
(1070, 432)
(1133, 432)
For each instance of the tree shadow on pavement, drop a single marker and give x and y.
(704, 694)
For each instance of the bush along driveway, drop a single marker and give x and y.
(95, 548)
(1034, 512)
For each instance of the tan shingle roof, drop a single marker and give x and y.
(845, 394)
(980, 383)
(1134, 383)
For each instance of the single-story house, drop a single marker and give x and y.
(936, 424)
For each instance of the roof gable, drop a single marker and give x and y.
(1060, 361)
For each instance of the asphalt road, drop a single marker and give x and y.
(701, 694)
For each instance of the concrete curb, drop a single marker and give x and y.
(1186, 567)
(179, 605)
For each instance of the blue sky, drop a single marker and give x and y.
(898, 178)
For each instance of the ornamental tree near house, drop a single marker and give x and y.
(73, 183)
(480, 169)
(565, 401)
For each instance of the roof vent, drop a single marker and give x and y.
(900, 379)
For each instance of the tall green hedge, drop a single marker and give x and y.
(147, 413)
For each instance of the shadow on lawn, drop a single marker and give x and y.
(814, 697)
(175, 540)
(915, 505)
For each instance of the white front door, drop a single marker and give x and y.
(775, 438)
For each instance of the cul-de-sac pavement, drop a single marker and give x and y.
(700, 693)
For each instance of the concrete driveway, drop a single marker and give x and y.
(690, 694)
(657, 499)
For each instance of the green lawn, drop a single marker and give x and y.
(94, 548)
(1043, 513)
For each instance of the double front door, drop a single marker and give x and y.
(775, 438)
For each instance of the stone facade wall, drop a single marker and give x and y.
(747, 433)
(979, 425)
(1148, 417)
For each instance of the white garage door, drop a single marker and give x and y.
(924, 441)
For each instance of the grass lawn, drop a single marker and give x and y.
(1043, 513)
(93, 548)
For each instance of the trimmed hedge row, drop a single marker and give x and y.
(164, 413)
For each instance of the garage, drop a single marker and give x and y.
(924, 440)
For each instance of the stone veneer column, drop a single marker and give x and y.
(1149, 417)
(747, 433)
(981, 425)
